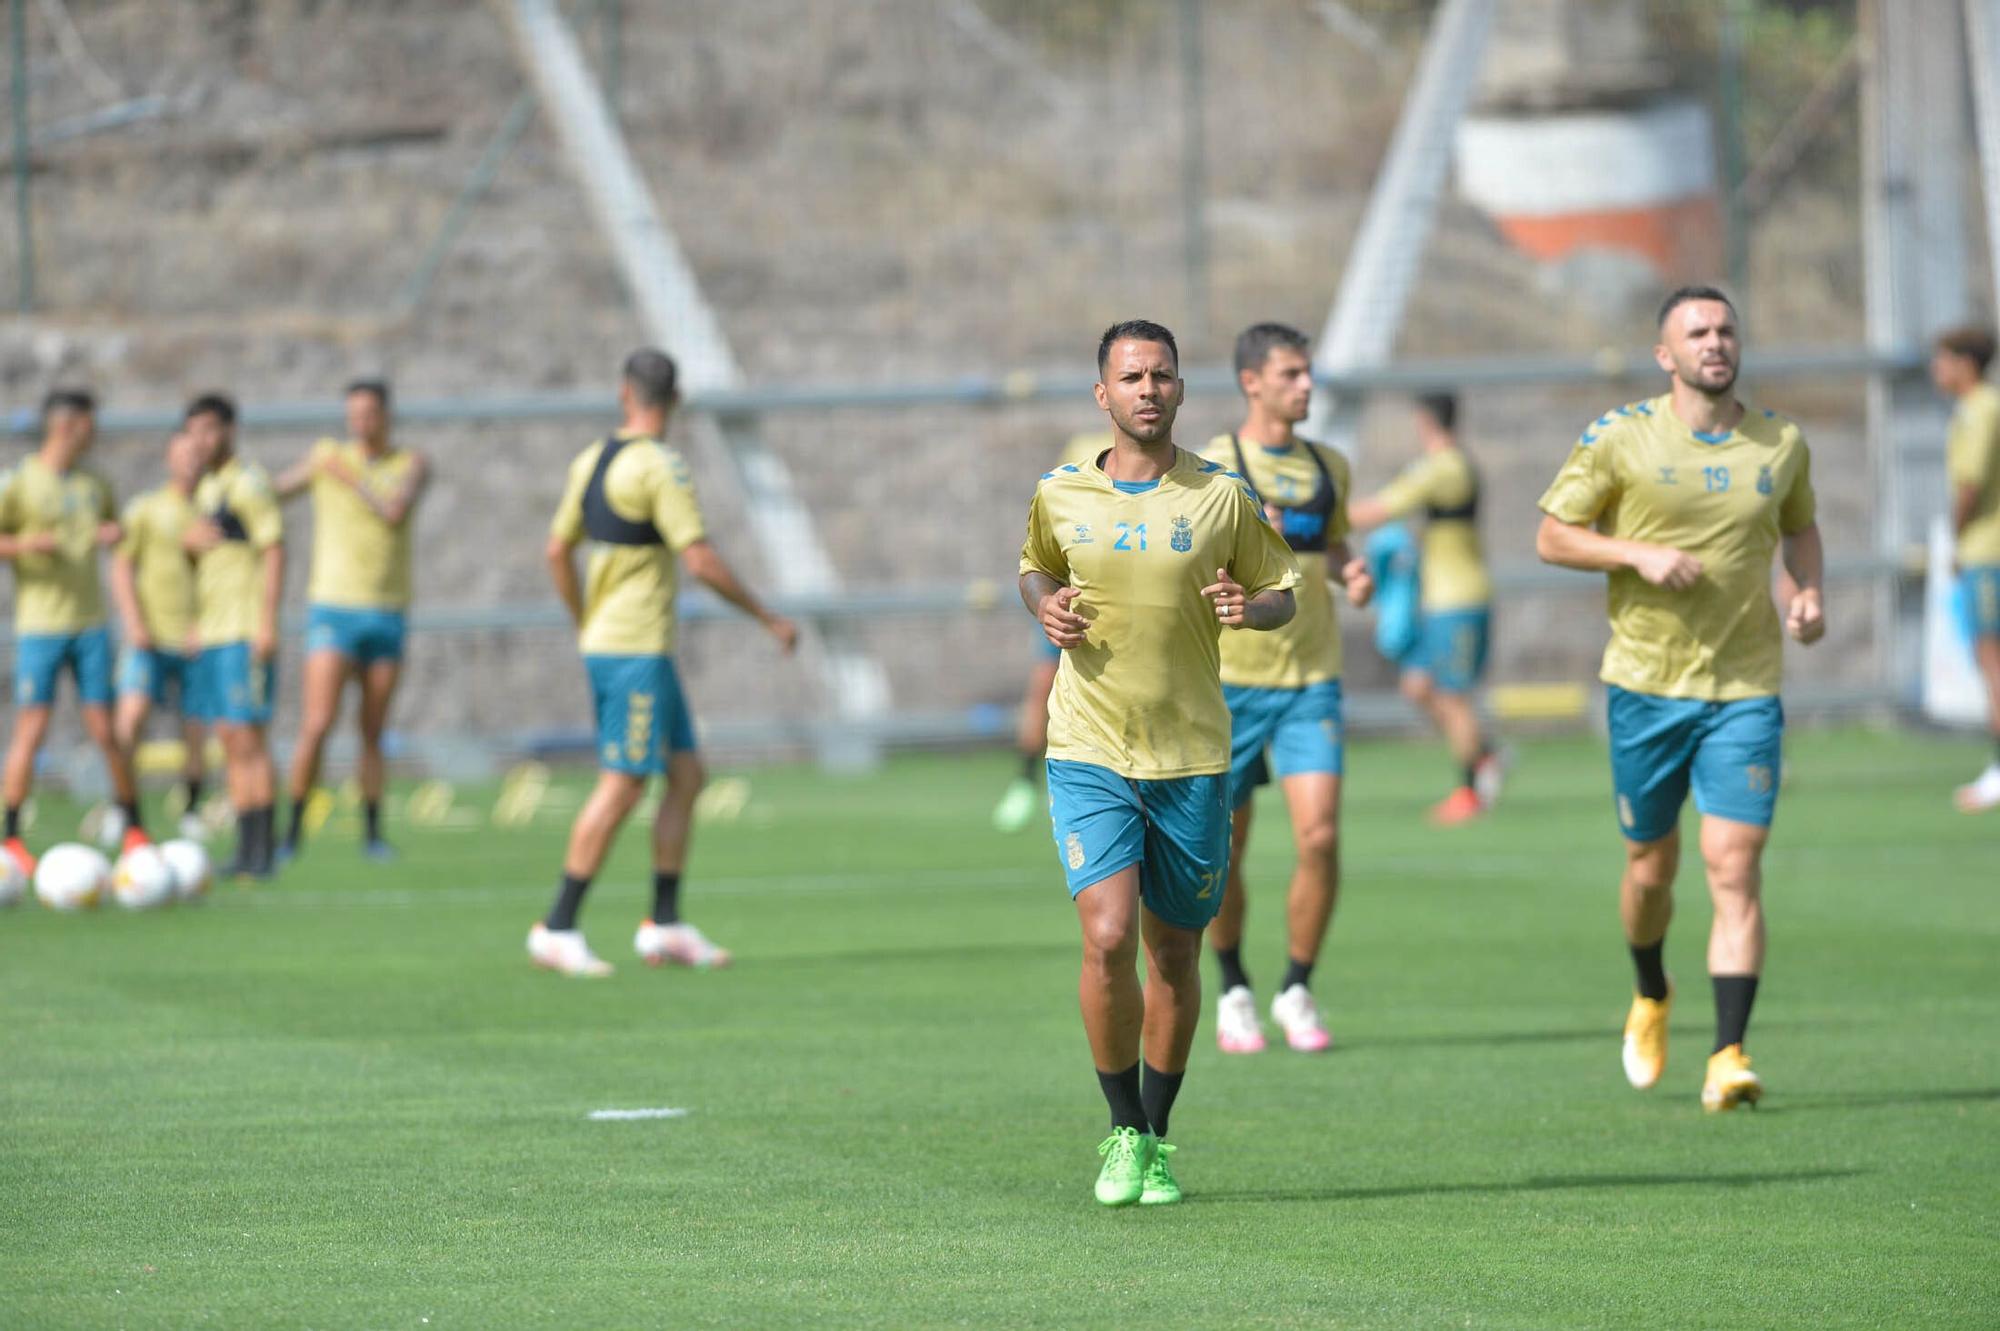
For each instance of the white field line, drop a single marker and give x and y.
(626, 1115)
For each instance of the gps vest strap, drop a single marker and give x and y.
(600, 523)
(1305, 525)
(1465, 512)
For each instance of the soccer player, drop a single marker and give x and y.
(152, 584)
(1682, 501)
(1134, 565)
(1283, 687)
(237, 542)
(1456, 601)
(55, 515)
(1024, 794)
(1972, 465)
(364, 498)
(633, 497)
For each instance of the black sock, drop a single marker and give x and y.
(13, 821)
(371, 819)
(1733, 996)
(131, 812)
(1652, 970)
(562, 915)
(1121, 1092)
(1471, 769)
(1231, 961)
(267, 838)
(1031, 767)
(246, 840)
(194, 794)
(1157, 1094)
(295, 831)
(1296, 972)
(666, 898)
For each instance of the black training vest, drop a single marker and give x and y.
(1465, 512)
(600, 523)
(226, 522)
(1304, 526)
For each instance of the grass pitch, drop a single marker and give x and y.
(346, 1100)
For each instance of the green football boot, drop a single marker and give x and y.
(1161, 1187)
(1128, 1155)
(1017, 807)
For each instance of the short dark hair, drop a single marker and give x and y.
(653, 376)
(1680, 296)
(69, 399)
(1255, 344)
(1974, 343)
(1135, 330)
(218, 405)
(375, 388)
(1440, 407)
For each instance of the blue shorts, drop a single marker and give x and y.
(1300, 727)
(362, 636)
(153, 674)
(1980, 586)
(1732, 753)
(40, 657)
(642, 715)
(1176, 831)
(1451, 648)
(225, 683)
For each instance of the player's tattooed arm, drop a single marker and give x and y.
(1269, 609)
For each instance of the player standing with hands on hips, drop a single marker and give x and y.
(1135, 563)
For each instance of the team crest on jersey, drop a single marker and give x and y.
(1764, 483)
(1083, 533)
(1183, 538)
(1073, 851)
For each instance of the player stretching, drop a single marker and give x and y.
(632, 496)
(1132, 566)
(1026, 793)
(54, 517)
(238, 545)
(1682, 500)
(1283, 688)
(1972, 464)
(364, 496)
(1456, 599)
(152, 584)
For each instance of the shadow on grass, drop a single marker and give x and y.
(1885, 1099)
(1538, 1183)
(1607, 1032)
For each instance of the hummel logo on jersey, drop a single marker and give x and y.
(1667, 476)
(1083, 533)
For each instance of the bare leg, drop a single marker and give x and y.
(1646, 894)
(1226, 930)
(319, 709)
(1733, 853)
(31, 724)
(597, 823)
(378, 690)
(1314, 801)
(685, 778)
(129, 719)
(1108, 991)
(1173, 992)
(1986, 651)
(194, 743)
(1451, 713)
(117, 758)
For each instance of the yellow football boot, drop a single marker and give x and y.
(1646, 1039)
(1730, 1081)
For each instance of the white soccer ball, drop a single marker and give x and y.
(191, 869)
(71, 877)
(13, 883)
(143, 879)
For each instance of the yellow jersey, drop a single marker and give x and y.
(1972, 457)
(229, 577)
(1443, 486)
(57, 592)
(629, 588)
(1143, 695)
(1313, 516)
(1640, 474)
(162, 573)
(358, 560)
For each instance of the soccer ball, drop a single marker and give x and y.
(189, 862)
(13, 883)
(71, 877)
(143, 879)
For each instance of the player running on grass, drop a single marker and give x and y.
(1454, 627)
(632, 496)
(1972, 465)
(1682, 500)
(364, 499)
(1283, 687)
(55, 515)
(1134, 566)
(152, 584)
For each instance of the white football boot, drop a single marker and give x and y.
(677, 945)
(1982, 794)
(1237, 1030)
(564, 951)
(1298, 1015)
